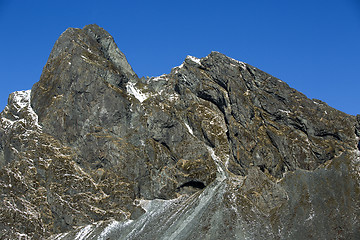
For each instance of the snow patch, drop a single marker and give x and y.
(317, 103)
(189, 129)
(131, 89)
(242, 64)
(7, 123)
(178, 68)
(22, 236)
(284, 111)
(233, 200)
(311, 215)
(219, 165)
(20, 101)
(356, 159)
(173, 97)
(193, 59)
(159, 78)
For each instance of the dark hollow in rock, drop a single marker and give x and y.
(194, 184)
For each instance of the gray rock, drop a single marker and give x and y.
(214, 149)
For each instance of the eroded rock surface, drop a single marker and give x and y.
(216, 149)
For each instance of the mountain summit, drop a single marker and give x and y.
(216, 149)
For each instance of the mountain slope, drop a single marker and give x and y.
(214, 149)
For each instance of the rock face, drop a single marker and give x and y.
(216, 149)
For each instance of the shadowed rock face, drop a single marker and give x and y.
(216, 149)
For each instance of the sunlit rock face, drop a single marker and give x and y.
(216, 149)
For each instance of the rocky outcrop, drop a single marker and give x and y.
(214, 149)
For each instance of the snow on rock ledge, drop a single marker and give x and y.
(137, 93)
(193, 59)
(19, 113)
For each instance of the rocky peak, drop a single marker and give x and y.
(80, 59)
(92, 40)
(215, 149)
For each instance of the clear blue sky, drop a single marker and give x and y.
(313, 45)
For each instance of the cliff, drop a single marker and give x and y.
(216, 149)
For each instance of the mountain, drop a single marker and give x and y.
(216, 149)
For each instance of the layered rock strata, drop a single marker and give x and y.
(214, 149)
